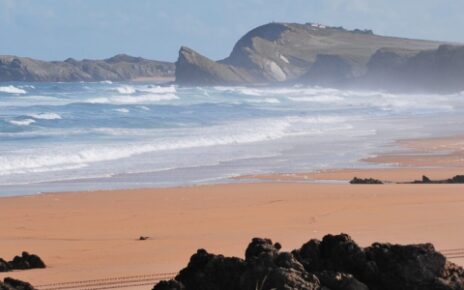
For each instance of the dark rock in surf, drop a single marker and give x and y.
(365, 181)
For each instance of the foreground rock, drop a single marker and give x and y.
(118, 68)
(24, 262)
(13, 284)
(335, 263)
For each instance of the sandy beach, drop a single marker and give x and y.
(94, 235)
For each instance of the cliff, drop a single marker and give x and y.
(197, 69)
(438, 70)
(289, 53)
(118, 68)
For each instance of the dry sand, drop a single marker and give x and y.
(94, 235)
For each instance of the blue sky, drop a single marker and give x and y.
(57, 29)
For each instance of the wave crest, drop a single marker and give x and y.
(12, 90)
(46, 116)
(24, 122)
(133, 100)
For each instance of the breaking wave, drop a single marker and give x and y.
(46, 116)
(242, 132)
(132, 99)
(129, 90)
(122, 110)
(126, 90)
(12, 90)
(24, 122)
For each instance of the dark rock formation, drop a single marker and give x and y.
(118, 68)
(24, 262)
(4, 266)
(340, 281)
(456, 179)
(335, 263)
(365, 181)
(13, 284)
(404, 267)
(426, 180)
(282, 53)
(169, 285)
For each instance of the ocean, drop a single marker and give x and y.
(104, 135)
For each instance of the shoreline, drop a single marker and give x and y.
(95, 234)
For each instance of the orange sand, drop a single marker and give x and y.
(94, 235)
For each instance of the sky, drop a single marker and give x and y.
(155, 29)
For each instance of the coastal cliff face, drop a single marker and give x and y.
(283, 53)
(197, 69)
(118, 68)
(440, 70)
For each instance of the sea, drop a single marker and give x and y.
(61, 137)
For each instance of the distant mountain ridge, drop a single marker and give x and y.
(118, 68)
(289, 53)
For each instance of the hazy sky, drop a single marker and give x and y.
(57, 29)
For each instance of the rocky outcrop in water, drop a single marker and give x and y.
(118, 68)
(456, 179)
(335, 263)
(357, 180)
(24, 262)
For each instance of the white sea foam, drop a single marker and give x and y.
(122, 110)
(12, 90)
(27, 87)
(133, 100)
(106, 82)
(158, 90)
(264, 100)
(242, 132)
(27, 101)
(127, 90)
(46, 116)
(318, 99)
(23, 122)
